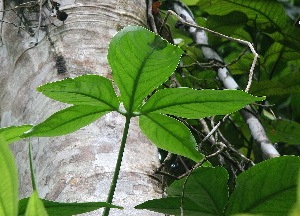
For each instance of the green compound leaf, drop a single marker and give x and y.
(35, 206)
(269, 188)
(92, 90)
(267, 14)
(170, 134)
(206, 193)
(190, 103)
(8, 181)
(13, 133)
(140, 61)
(67, 121)
(66, 209)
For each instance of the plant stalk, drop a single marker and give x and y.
(118, 166)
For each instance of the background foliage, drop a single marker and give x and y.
(228, 182)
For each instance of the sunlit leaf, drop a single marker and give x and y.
(190, 103)
(170, 134)
(12, 134)
(140, 62)
(66, 209)
(267, 14)
(8, 181)
(296, 209)
(268, 188)
(190, 2)
(88, 89)
(67, 121)
(35, 206)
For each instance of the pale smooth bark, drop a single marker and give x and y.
(77, 167)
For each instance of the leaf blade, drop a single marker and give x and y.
(67, 121)
(206, 193)
(170, 134)
(9, 181)
(92, 90)
(13, 133)
(140, 62)
(190, 103)
(275, 182)
(35, 206)
(266, 14)
(207, 186)
(66, 209)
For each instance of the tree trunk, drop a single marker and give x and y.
(77, 167)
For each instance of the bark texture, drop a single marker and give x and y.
(77, 167)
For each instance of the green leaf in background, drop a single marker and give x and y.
(88, 89)
(8, 181)
(296, 209)
(207, 187)
(190, 2)
(278, 51)
(286, 85)
(226, 24)
(66, 209)
(140, 61)
(67, 121)
(206, 193)
(269, 188)
(13, 133)
(281, 130)
(35, 206)
(267, 14)
(241, 66)
(170, 134)
(190, 103)
(288, 37)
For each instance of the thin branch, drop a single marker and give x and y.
(192, 23)
(222, 148)
(150, 16)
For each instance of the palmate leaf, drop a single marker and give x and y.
(140, 61)
(267, 14)
(206, 193)
(170, 134)
(190, 103)
(65, 209)
(269, 188)
(8, 181)
(92, 90)
(67, 121)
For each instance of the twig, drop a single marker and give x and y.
(222, 148)
(257, 130)
(150, 16)
(224, 36)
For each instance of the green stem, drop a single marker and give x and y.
(31, 167)
(118, 166)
